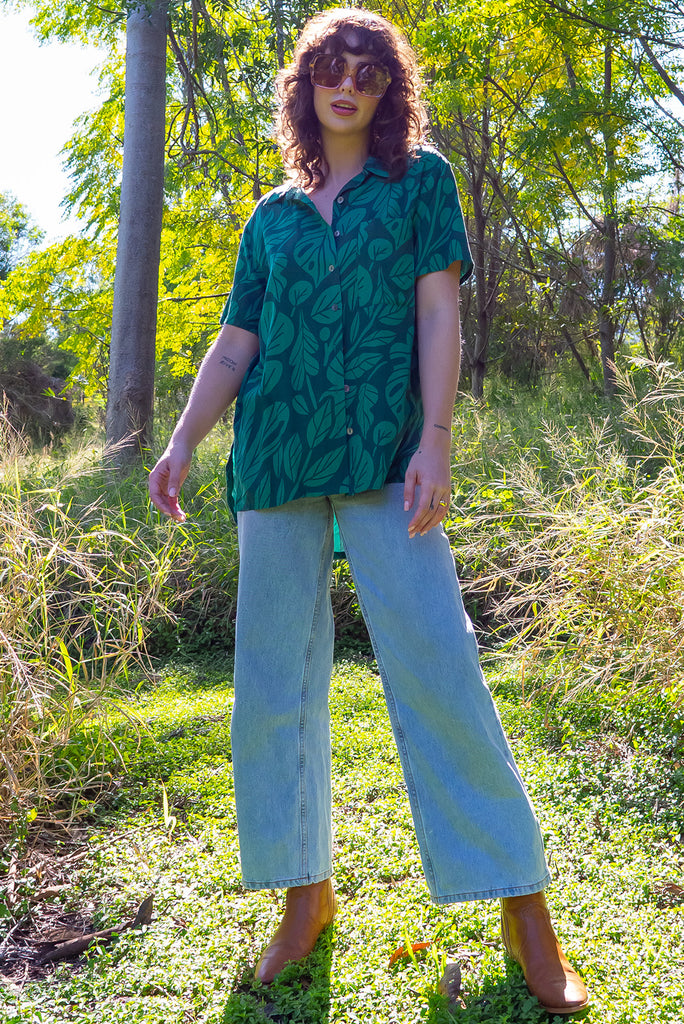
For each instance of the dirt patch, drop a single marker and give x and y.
(23, 948)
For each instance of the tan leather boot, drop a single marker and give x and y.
(308, 910)
(529, 939)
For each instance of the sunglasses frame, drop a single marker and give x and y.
(349, 73)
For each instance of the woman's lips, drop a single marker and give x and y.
(343, 109)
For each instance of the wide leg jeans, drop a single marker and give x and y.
(476, 828)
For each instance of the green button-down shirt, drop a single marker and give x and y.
(331, 403)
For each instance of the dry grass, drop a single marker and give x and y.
(585, 565)
(74, 594)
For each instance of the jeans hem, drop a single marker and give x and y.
(286, 883)
(492, 894)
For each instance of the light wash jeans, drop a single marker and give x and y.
(476, 829)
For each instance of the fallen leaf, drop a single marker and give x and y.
(404, 953)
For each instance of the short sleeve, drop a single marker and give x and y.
(440, 234)
(243, 307)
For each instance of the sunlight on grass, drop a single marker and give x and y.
(611, 817)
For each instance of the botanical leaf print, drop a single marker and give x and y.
(354, 217)
(320, 470)
(320, 423)
(332, 404)
(383, 433)
(381, 248)
(305, 356)
(309, 257)
(368, 400)
(364, 464)
(365, 286)
(299, 293)
(268, 435)
(281, 333)
(362, 365)
(396, 389)
(300, 406)
(400, 270)
(292, 457)
(270, 378)
(325, 309)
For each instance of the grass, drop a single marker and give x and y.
(611, 812)
(90, 581)
(566, 524)
(567, 528)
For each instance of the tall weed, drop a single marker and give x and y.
(572, 533)
(77, 588)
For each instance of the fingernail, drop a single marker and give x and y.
(406, 506)
(172, 492)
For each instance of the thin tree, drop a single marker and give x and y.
(134, 317)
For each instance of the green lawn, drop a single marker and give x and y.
(611, 812)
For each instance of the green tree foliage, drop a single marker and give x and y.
(220, 158)
(557, 126)
(17, 233)
(558, 118)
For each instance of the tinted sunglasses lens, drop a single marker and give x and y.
(327, 71)
(371, 79)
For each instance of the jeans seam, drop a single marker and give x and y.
(303, 820)
(399, 733)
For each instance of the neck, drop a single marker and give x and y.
(344, 157)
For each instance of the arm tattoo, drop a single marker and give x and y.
(440, 427)
(230, 363)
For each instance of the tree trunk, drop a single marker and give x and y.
(607, 327)
(484, 298)
(134, 317)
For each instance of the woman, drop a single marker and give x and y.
(341, 336)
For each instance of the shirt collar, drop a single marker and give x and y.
(291, 190)
(376, 167)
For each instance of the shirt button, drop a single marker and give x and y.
(334, 306)
(337, 234)
(340, 199)
(331, 267)
(346, 387)
(350, 430)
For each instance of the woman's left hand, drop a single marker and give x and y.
(430, 470)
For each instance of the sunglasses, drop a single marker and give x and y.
(328, 72)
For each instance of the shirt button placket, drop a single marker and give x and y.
(335, 305)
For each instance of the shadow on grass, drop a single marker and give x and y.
(300, 993)
(497, 1000)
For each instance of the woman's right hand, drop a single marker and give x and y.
(166, 480)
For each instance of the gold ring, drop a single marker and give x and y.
(443, 504)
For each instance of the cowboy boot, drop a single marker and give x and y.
(529, 939)
(308, 910)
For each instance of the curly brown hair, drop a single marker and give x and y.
(400, 120)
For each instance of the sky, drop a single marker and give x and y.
(43, 88)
